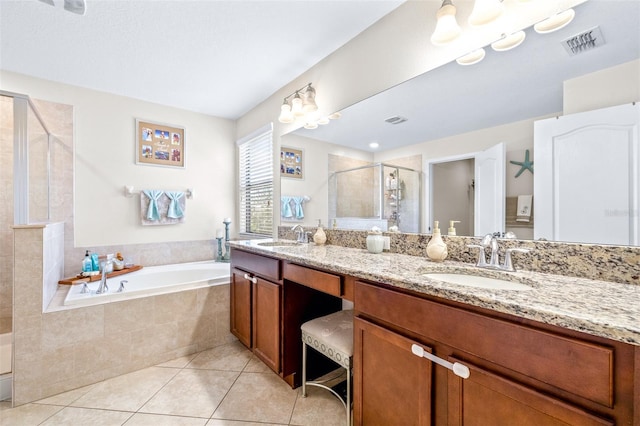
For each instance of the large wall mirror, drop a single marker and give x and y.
(454, 112)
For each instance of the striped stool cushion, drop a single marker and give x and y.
(331, 335)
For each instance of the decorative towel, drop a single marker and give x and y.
(523, 209)
(297, 206)
(152, 211)
(175, 211)
(286, 207)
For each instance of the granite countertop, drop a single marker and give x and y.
(600, 308)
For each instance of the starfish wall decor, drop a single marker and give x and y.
(524, 165)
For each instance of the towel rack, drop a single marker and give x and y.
(129, 191)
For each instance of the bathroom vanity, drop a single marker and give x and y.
(564, 351)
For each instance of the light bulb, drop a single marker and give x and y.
(296, 106)
(447, 28)
(472, 57)
(309, 101)
(485, 12)
(555, 22)
(285, 113)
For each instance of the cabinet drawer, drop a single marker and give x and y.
(582, 368)
(322, 281)
(260, 265)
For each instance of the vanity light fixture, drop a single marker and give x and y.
(508, 42)
(298, 104)
(472, 57)
(485, 11)
(447, 28)
(555, 22)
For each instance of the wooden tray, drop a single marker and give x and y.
(81, 279)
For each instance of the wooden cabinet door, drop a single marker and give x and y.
(266, 322)
(241, 306)
(488, 399)
(392, 386)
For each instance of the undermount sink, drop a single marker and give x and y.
(479, 281)
(279, 243)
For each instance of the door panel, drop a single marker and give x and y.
(266, 322)
(241, 307)
(586, 182)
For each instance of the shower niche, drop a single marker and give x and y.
(380, 194)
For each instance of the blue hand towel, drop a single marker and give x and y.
(286, 207)
(297, 203)
(152, 211)
(175, 211)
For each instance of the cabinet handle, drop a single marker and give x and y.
(457, 368)
(250, 278)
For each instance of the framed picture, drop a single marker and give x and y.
(160, 144)
(291, 164)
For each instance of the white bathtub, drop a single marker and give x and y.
(5, 366)
(152, 280)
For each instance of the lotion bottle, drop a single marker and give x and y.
(452, 227)
(320, 237)
(436, 248)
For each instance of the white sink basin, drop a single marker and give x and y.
(479, 281)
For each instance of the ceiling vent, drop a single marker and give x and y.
(586, 40)
(396, 120)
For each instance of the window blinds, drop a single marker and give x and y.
(256, 183)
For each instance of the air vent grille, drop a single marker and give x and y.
(396, 120)
(586, 40)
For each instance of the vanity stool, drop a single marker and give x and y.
(332, 336)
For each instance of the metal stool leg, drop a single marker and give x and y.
(304, 369)
(348, 396)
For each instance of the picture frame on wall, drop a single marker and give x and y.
(160, 144)
(291, 163)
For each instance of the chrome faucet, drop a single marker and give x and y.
(301, 236)
(491, 241)
(103, 287)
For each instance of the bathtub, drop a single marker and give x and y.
(5, 366)
(152, 280)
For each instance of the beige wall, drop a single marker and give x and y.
(104, 163)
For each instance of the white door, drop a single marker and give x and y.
(490, 190)
(489, 193)
(586, 176)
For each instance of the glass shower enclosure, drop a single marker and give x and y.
(380, 194)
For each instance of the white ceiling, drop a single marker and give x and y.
(220, 58)
(523, 83)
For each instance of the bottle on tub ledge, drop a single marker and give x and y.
(320, 237)
(436, 248)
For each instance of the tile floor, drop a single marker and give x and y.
(223, 386)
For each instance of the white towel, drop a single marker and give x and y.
(523, 209)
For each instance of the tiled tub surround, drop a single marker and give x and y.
(60, 351)
(600, 308)
(619, 264)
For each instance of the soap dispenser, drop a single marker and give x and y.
(452, 227)
(436, 249)
(87, 266)
(320, 237)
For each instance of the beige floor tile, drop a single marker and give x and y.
(194, 393)
(218, 422)
(320, 407)
(258, 397)
(230, 357)
(143, 419)
(255, 365)
(181, 362)
(65, 398)
(87, 416)
(28, 414)
(128, 392)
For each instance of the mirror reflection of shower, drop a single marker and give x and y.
(380, 194)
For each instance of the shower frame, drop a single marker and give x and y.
(21, 105)
(381, 198)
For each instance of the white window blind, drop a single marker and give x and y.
(256, 183)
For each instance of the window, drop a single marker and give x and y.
(256, 182)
